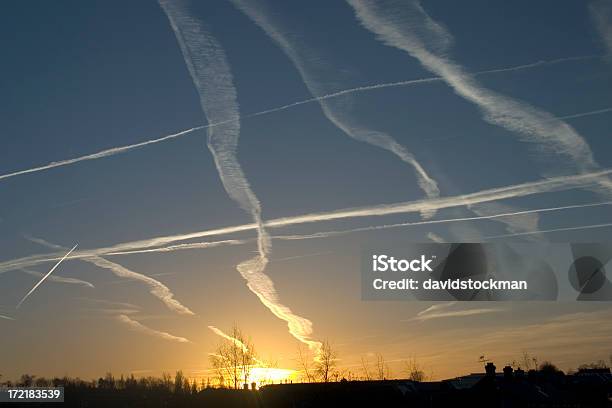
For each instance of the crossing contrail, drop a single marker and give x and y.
(335, 233)
(59, 279)
(408, 27)
(211, 74)
(126, 148)
(156, 288)
(316, 75)
(559, 183)
(46, 276)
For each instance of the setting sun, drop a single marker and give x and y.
(265, 375)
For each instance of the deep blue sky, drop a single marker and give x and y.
(78, 77)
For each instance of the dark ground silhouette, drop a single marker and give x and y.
(546, 387)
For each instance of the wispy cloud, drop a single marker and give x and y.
(141, 328)
(46, 276)
(59, 279)
(211, 74)
(157, 289)
(408, 27)
(500, 193)
(6, 317)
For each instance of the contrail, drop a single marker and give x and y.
(6, 317)
(328, 234)
(139, 327)
(601, 13)
(156, 288)
(123, 149)
(455, 313)
(524, 222)
(234, 340)
(211, 74)
(334, 233)
(559, 183)
(436, 307)
(408, 27)
(59, 279)
(313, 68)
(179, 247)
(580, 227)
(103, 153)
(579, 115)
(46, 276)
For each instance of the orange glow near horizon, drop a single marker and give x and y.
(266, 375)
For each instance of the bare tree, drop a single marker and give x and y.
(529, 362)
(234, 358)
(326, 362)
(414, 370)
(382, 368)
(365, 367)
(305, 363)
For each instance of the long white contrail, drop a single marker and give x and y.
(46, 275)
(6, 317)
(59, 279)
(124, 149)
(408, 27)
(103, 153)
(502, 215)
(211, 74)
(156, 288)
(139, 327)
(316, 73)
(576, 228)
(335, 233)
(559, 183)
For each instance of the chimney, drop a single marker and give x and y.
(490, 369)
(508, 372)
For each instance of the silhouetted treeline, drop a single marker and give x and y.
(545, 386)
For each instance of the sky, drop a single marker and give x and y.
(403, 110)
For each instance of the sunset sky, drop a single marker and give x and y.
(329, 106)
